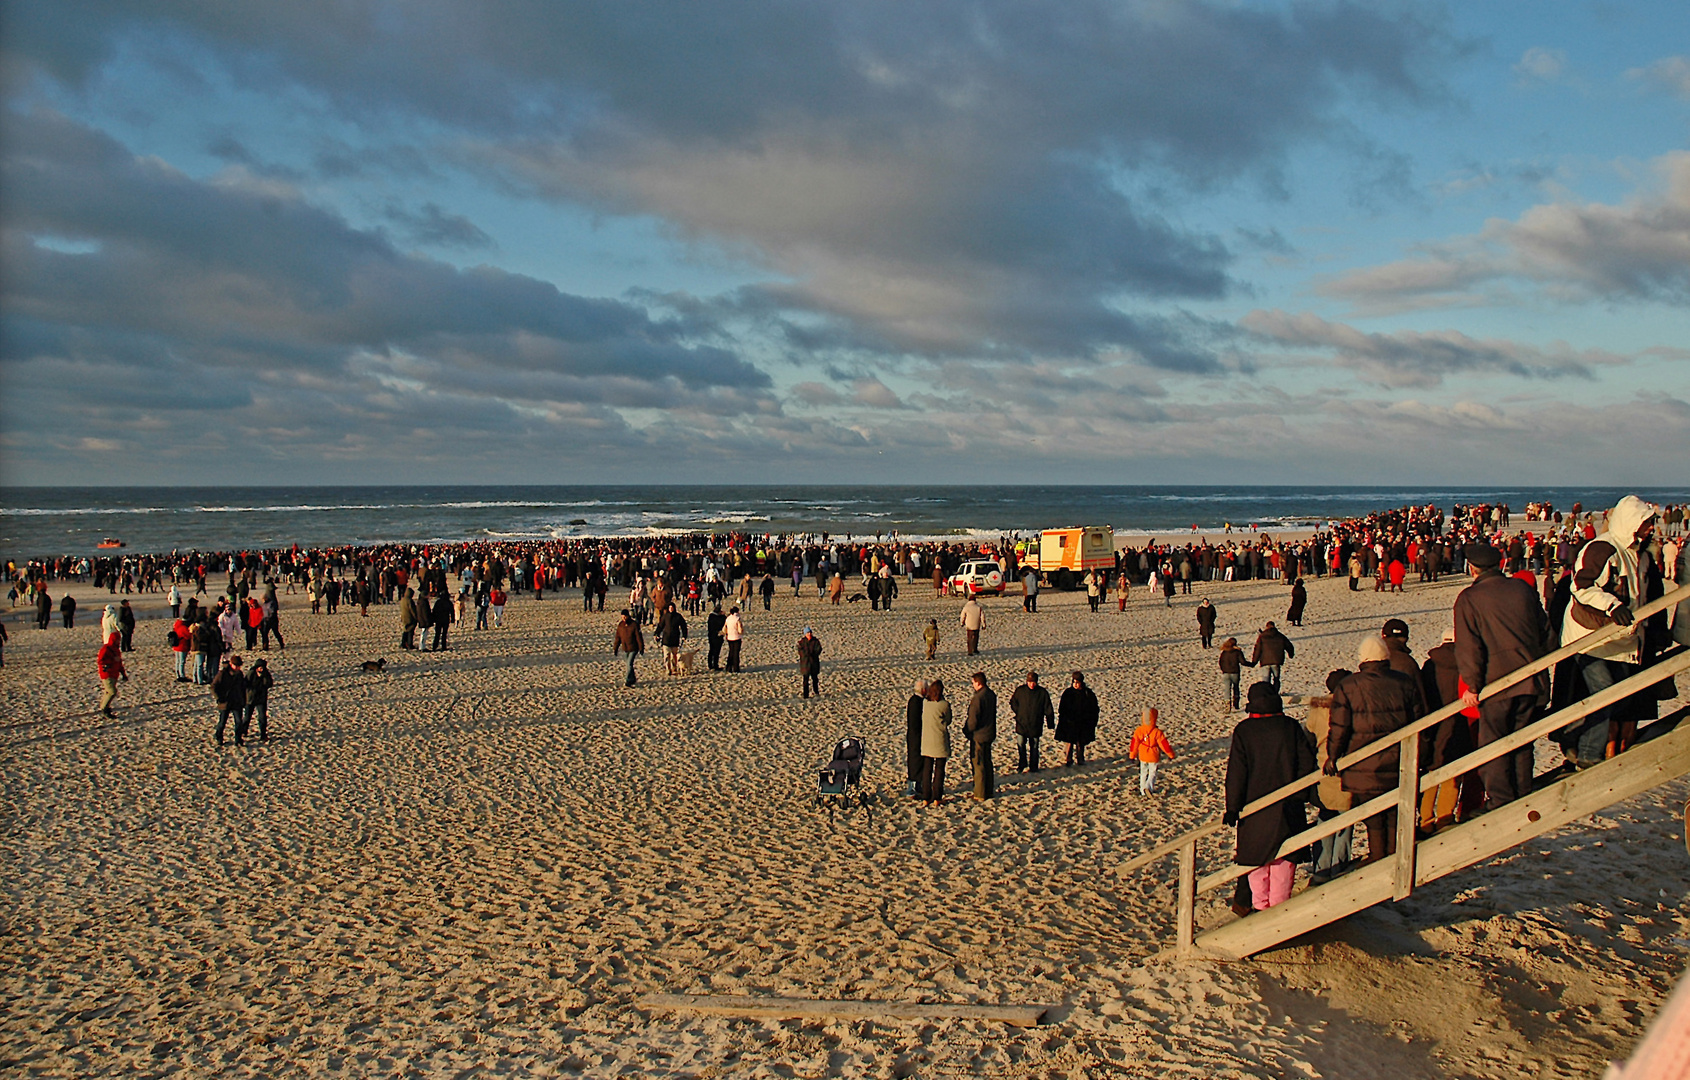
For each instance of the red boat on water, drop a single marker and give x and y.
(111, 542)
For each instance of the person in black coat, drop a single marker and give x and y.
(228, 689)
(1299, 601)
(1269, 750)
(440, 618)
(912, 737)
(1206, 613)
(1367, 707)
(713, 624)
(1076, 719)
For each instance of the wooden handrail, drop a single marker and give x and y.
(1621, 690)
(1437, 716)
(1649, 676)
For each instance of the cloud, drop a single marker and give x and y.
(1669, 75)
(947, 178)
(166, 296)
(1414, 359)
(1540, 65)
(1638, 250)
(433, 226)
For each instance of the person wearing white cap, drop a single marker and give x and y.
(1607, 584)
(1367, 706)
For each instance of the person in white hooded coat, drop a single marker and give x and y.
(1607, 585)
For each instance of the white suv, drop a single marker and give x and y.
(979, 576)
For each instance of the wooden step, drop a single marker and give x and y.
(1637, 770)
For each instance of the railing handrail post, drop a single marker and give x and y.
(1408, 815)
(1185, 919)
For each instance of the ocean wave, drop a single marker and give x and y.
(82, 511)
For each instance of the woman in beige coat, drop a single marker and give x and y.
(935, 743)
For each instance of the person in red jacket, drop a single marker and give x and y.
(109, 663)
(184, 636)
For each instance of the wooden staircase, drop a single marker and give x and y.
(1451, 849)
(1417, 862)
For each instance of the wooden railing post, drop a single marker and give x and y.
(1408, 813)
(1185, 919)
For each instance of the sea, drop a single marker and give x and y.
(49, 521)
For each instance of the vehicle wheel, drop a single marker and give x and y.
(1065, 580)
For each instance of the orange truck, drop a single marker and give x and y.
(1063, 556)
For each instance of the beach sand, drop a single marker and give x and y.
(478, 861)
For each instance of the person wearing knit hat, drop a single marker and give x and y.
(1269, 750)
(1371, 649)
(1367, 706)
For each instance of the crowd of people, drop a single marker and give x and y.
(1577, 569)
(1500, 624)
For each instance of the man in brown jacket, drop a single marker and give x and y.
(628, 640)
(1500, 626)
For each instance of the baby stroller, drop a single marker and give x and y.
(839, 784)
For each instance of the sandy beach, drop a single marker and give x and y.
(478, 861)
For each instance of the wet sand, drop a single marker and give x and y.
(479, 861)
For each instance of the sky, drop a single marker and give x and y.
(1086, 241)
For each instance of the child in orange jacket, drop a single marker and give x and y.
(1149, 744)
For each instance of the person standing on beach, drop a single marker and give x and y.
(228, 689)
(713, 625)
(258, 685)
(67, 611)
(109, 664)
(4, 637)
(973, 618)
(1269, 750)
(935, 743)
(441, 619)
(1206, 613)
(1030, 705)
(628, 640)
(1299, 601)
(271, 610)
(1076, 719)
(1149, 745)
(912, 736)
(931, 637)
(1271, 651)
(408, 619)
(43, 606)
(126, 625)
(981, 727)
(810, 662)
(672, 633)
(1029, 590)
(733, 631)
(175, 601)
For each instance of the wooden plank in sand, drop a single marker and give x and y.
(776, 1008)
